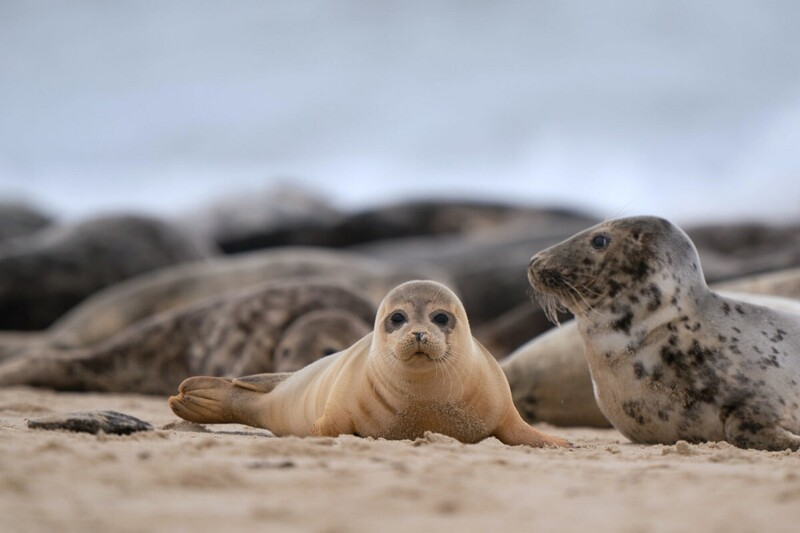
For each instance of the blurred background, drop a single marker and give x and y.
(689, 110)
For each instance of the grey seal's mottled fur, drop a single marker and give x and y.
(549, 375)
(235, 334)
(115, 308)
(669, 358)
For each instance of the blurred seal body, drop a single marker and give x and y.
(276, 327)
(419, 370)
(669, 358)
(44, 274)
(116, 308)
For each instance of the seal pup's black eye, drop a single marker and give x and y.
(441, 319)
(600, 242)
(398, 318)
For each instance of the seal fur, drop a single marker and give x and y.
(669, 358)
(260, 329)
(116, 308)
(419, 370)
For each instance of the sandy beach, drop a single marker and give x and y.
(184, 477)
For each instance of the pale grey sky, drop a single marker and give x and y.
(679, 108)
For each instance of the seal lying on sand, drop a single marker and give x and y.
(261, 329)
(120, 306)
(419, 370)
(669, 358)
(549, 375)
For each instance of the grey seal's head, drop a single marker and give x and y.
(317, 334)
(628, 261)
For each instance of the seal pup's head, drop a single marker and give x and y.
(420, 322)
(628, 261)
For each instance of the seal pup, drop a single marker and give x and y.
(275, 326)
(419, 370)
(669, 358)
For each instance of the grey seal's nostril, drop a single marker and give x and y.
(419, 335)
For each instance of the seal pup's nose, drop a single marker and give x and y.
(419, 335)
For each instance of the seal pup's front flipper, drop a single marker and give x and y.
(515, 431)
(211, 400)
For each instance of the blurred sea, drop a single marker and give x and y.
(684, 109)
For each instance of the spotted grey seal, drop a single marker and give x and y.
(115, 308)
(250, 331)
(549, 376)
(669, 358)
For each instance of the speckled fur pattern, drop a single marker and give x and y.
(277, 326)
(669, 358)
(111, 310)
(419, 370)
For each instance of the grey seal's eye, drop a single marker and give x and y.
(441, 319)
(398, 318)
(600, 242)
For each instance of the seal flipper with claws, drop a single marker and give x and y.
(420, 370)
(669, 358)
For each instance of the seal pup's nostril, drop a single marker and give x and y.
(419, 335)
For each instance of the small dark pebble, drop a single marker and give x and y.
(94, 422)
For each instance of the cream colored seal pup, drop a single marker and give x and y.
(669, 358)
(419, 370)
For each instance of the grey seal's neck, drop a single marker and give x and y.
(659, 306)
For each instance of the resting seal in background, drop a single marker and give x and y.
(419, 370)
(669, 358)
(118, 307)
(44, 274)
(262, 329)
